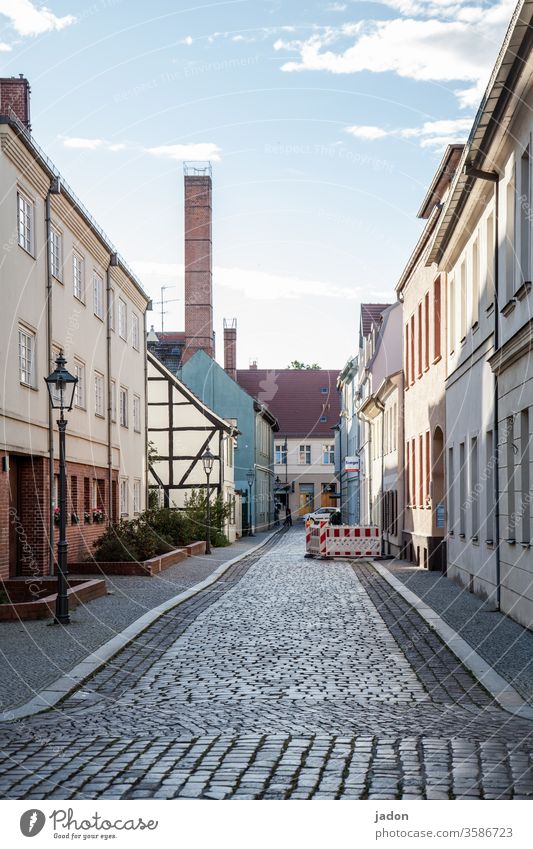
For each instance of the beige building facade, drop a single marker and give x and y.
(64, 288)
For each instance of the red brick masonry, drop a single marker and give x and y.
(134, 567)
(80, 591)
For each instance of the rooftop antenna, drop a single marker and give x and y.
(165, 301)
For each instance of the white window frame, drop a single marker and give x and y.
(79, 392)
(113, 390)
(122, 319)
(304, 450)
(281, 451)
(111, 308)
(78, 276)
(123, 496)
(27, 343)
(137, 413)
(123, 407)
(328, 454)
(136, 496)
(56, 252)
(99, 390)
(26, 223)
(135, 336)
(98, 295)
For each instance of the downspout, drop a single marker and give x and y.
(149, 306)
(113, 262)
(381, 408)
(492, 177)
(55, 188)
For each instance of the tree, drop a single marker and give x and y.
(296, 364)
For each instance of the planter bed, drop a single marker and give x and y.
(35, 598)
(135, 567)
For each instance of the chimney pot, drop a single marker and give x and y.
(15, 99)
(230, 347)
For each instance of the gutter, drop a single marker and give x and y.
(113, 262)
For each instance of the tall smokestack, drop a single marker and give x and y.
(15, 99)
(198, 262)
(230, 347)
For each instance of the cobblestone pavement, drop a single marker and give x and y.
(288, 678)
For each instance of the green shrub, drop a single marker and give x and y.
(196, 512)
(130, 540)
(171, 525)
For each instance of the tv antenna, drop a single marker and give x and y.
(163, 302)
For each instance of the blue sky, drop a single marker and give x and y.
(324, 122)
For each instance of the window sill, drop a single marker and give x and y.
(511, 541)
(489, 543)
(26, 251)
(509, 307)
(122, 337)
(475, 327)
(462, 340)
(490, 308)
(426, 369)
(462, 536)
(474, 540)
(436, 360)
(79, 407)
(523, 290)
(136, 430)
(125, 426)
(99, 415)
(57, 279)
(525, 544)
(451, 533)
(99, 317)
(28, 386)
(79, 300)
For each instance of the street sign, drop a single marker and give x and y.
(351, 464)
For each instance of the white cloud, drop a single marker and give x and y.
(5, 48)
(188, 40)
(181, 152)
(253, 284)
(430, 41)
(336, 7)
(28, 19)
(429, 134)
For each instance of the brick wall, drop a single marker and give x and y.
(4, 523)
(15, 95)
(198, 267)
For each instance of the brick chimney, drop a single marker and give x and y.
(198, 263)
(15, 97)
(230, 347)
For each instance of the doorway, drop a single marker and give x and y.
(307, 498)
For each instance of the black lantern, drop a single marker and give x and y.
(61, 386)
(250, 477)
(208, 459)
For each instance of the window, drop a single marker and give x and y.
(489, 491)
(26, 357)
(413, 472)
(328, 454)
(323, 419)
(420, 339)
(55, 353)
(25, 223)
(475, 283)
(525, 217)
(407, 355)
(421, 471)
(451, 487)
(510, 240)
(78, 277)
(113, 390)
(123, 496)
(524, 475)
(451, 324)
(280, 454)
(428, 467)
(407, 473)
(111, 308)
(304, 458)
(474, 487)
(136, 496)
(489, 281)
(510, 446)
(94, 498)
(136, 413)
(122, 319)
(123, 407)
(324, 390)
(426, 331)
(412, 349)
(436, 319)
(98, 295)
(98, 394)
(135, 331)
(79, 392)
(462, 490)
(463, 301)
(55, 253)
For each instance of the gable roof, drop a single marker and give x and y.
(296, 398)
(370, 314)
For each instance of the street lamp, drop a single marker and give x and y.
(208, 459)
(250, 477)
(61, 386)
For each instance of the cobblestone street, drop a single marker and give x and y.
(288, 678)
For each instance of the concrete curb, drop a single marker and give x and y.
(500, 689)
(59, 689)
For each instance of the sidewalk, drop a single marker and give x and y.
(503, 643)
(34, 654)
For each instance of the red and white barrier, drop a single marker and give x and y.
(325, 540)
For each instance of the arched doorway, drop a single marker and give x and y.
(437, 479)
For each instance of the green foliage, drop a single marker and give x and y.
(130, 540)
(171, 525)
(153, 498)
(298, 365)
(196, 513)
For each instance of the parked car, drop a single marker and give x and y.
(321, 513)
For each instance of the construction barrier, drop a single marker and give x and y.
(325, 540)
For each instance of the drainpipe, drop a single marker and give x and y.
(55, 188)
(149, 306)
(381, 408)
(493, 177)
(113, 262)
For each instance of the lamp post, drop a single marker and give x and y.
(208, 459)
(250, 477)
(61, 386)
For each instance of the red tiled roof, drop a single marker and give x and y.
(369, 314)
(171, 336)
(295, 397)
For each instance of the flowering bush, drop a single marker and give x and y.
(57, 515)
(98, 515)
